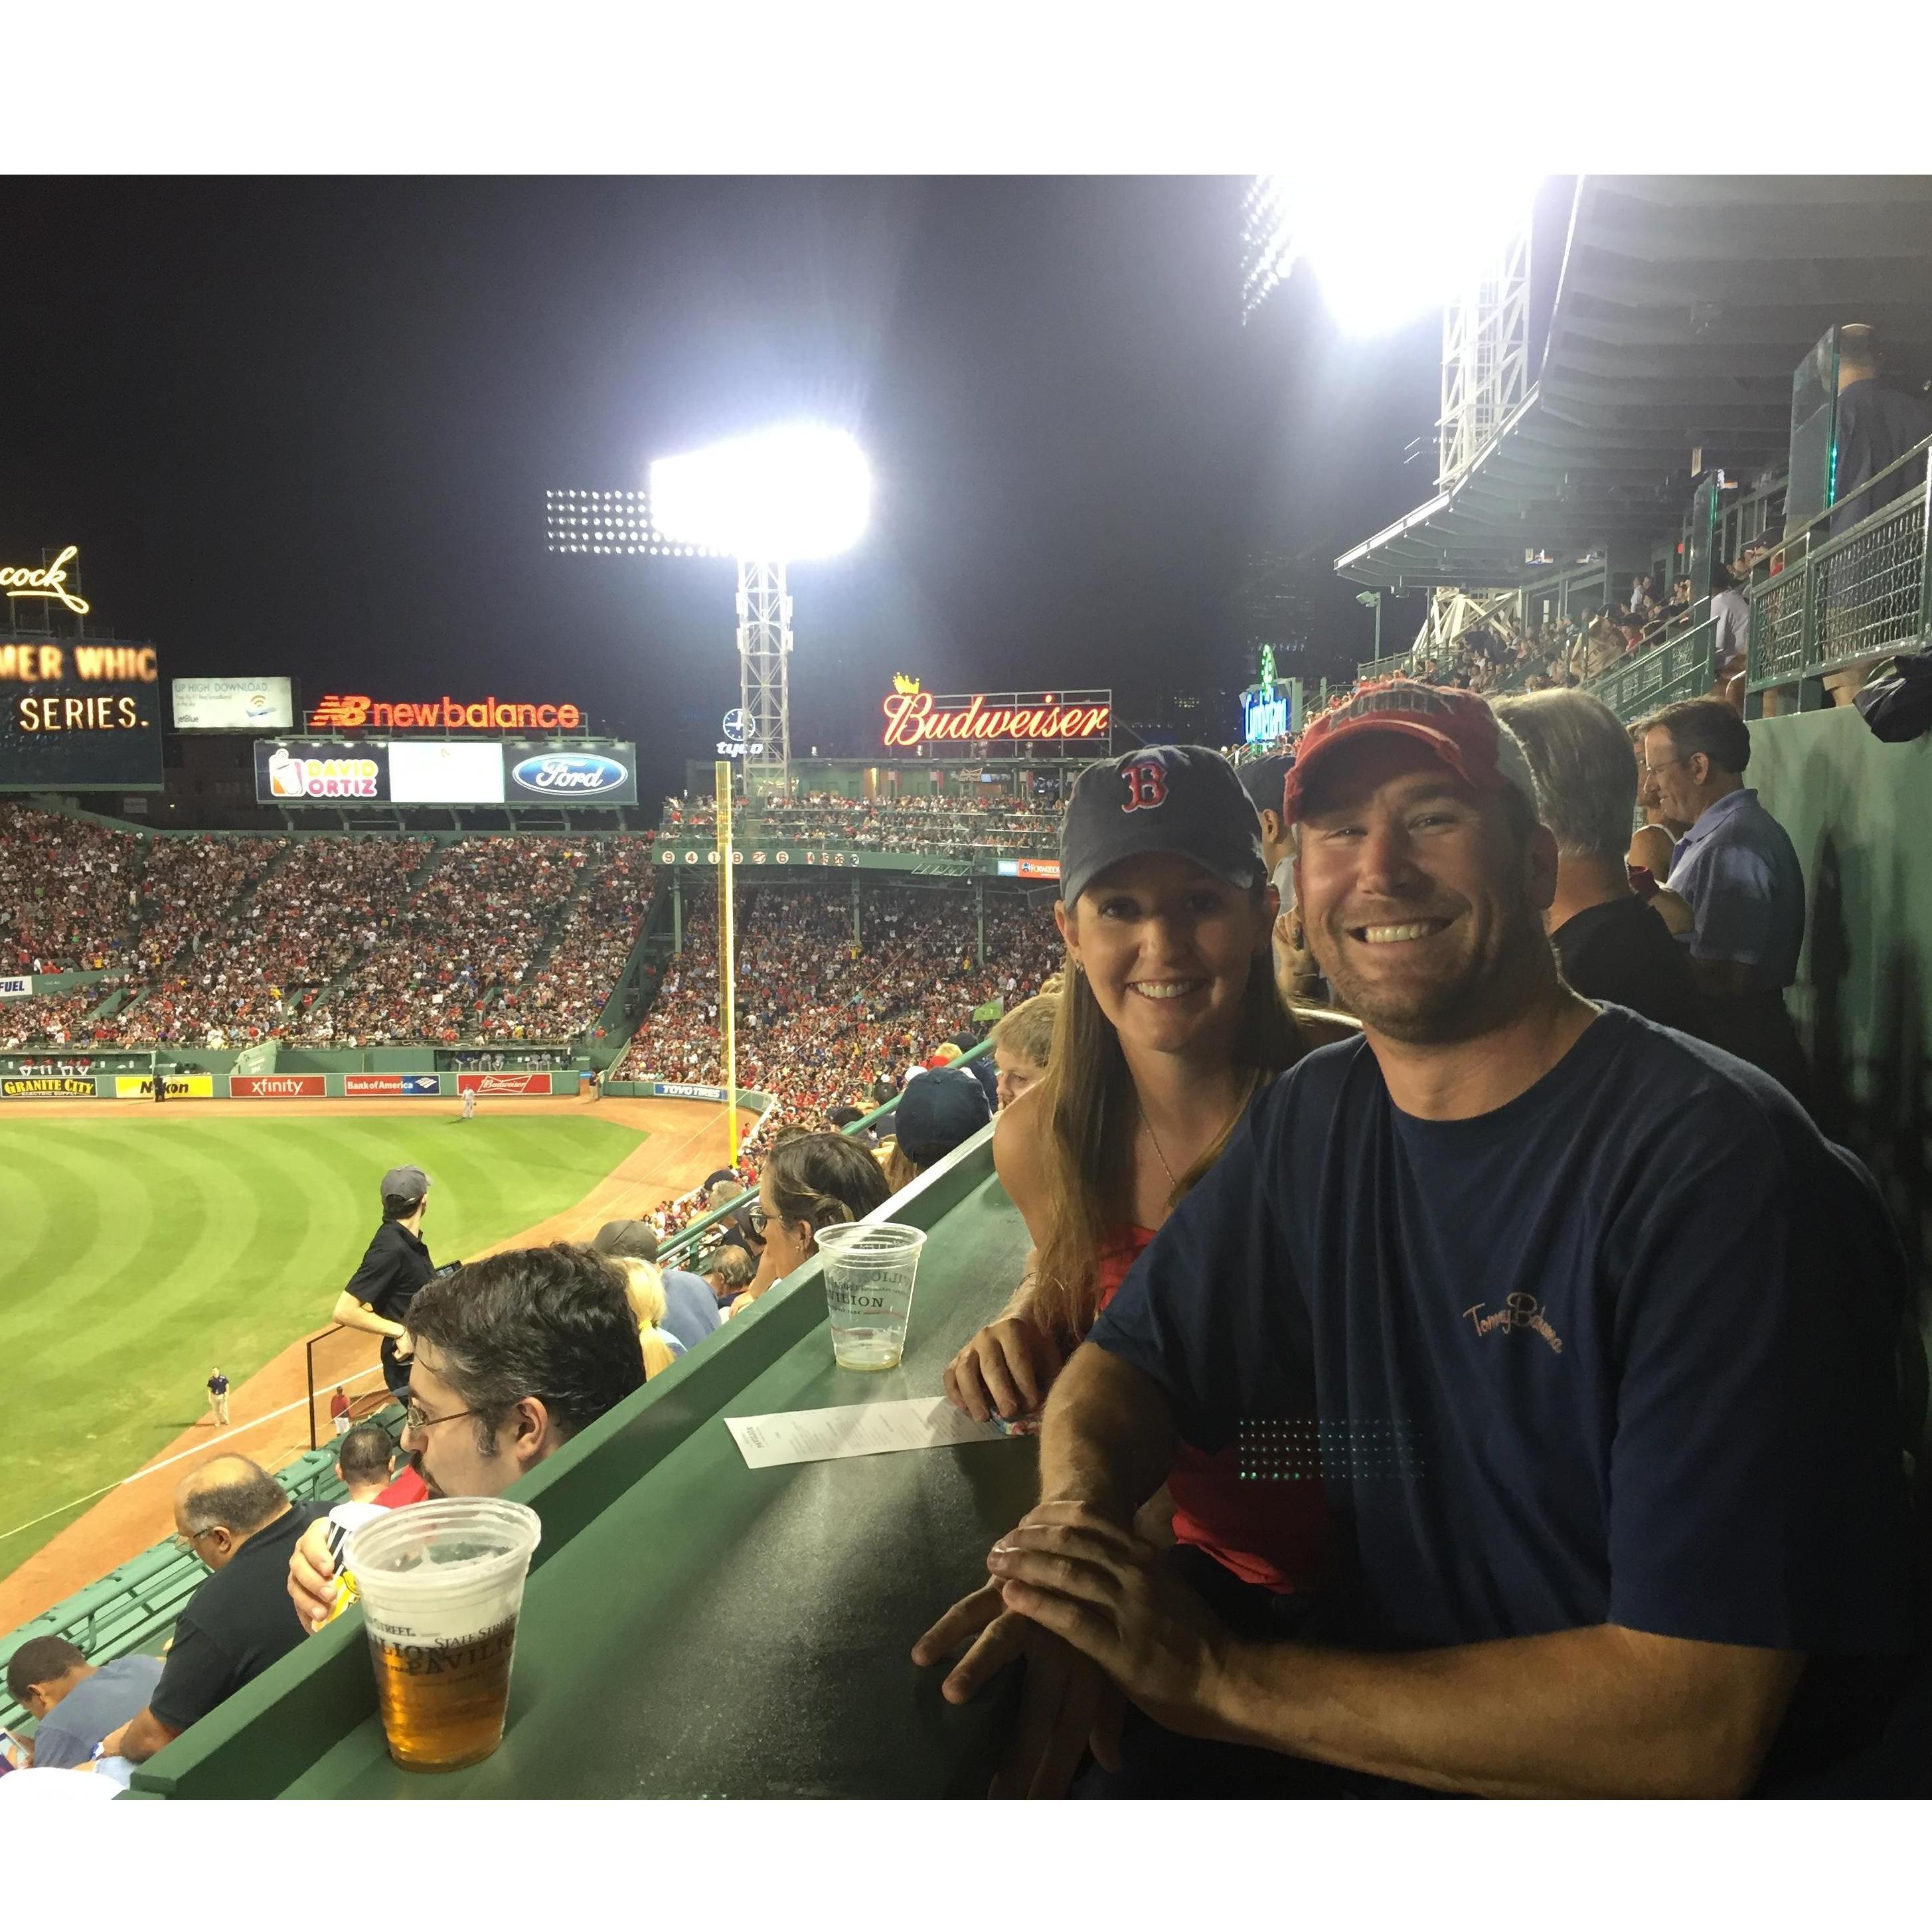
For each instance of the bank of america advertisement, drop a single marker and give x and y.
(234, 704)
(526, 772)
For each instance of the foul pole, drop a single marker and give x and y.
(727, 1000)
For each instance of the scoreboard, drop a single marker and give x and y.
(79, 716)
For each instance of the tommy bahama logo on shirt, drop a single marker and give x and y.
(1518, 1311)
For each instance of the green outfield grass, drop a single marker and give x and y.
(136, 1256)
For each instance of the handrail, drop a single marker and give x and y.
(1808, 620)
(685, 1239)
(1791, 537)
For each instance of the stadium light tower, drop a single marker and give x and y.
(782, 495)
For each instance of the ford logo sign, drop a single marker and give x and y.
(579, 771)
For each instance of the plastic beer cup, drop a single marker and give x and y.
(869, 1269)
(442, 1586)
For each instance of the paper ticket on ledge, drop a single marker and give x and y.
(865, 1428)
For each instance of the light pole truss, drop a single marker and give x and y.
(1485, 357)
(764, 664)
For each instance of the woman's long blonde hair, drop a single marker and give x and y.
(1090, 1112)
(644, 1289)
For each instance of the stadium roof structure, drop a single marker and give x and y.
(1685, 307)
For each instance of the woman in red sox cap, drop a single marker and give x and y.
(1170, 1022)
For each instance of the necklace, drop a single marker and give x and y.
(1147, 1125)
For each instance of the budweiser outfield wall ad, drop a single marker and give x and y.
(502, 1083)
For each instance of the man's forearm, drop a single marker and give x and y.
(1107, 1439)
(1601, 1712)
(141, 1737)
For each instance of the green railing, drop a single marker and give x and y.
(1842, 600)
(686, 1240)
(1684, 666)
(135, 1603)
(1399, 664)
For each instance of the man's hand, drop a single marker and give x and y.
(1066, 1706)
(1101, 1589)
(110, 1745)
(312, 1577)
(1009, 1367)
(405, 1346)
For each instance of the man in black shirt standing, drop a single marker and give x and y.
(236, 1518)
(1876, 425)
(1612, 944)
(396, 1264)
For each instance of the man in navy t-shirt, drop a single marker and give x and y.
(1589, 1335)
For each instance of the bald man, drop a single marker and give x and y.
(236, 1517)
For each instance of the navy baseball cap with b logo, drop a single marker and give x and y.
(1180, 799)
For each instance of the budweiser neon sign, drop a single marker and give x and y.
(916, 717)
(357, 712)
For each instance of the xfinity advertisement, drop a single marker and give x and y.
(454, 771)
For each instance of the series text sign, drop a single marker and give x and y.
(78, 717)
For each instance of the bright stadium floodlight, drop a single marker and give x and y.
(797, 491)
(1384, 246)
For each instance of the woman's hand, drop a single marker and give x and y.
(1008, 1366)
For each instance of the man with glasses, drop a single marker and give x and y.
(514, 1355)
(236, 1518)
(1738, 872)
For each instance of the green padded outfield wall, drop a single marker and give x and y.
(1860, 814)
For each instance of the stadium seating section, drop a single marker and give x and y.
(323, 940)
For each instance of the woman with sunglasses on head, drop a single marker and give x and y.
(808, 1183)
(1170, 1023)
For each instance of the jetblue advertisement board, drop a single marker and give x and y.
(535, 773)
(234, 704)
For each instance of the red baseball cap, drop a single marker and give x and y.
(1457, 726)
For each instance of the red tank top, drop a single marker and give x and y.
(1273, 1534)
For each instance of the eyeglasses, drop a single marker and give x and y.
(413, 1417)
(185, 1541)
(757, 1219)
(1651, 771)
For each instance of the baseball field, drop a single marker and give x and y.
(144, 1248)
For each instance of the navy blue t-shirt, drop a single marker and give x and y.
(1622, 1350)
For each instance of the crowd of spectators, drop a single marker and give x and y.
(325, 906)
(955, 826)
(561, 999)
(66, 891)
(821, 1019)
(221, 941)
(59, 1019)
(474, 924)
(187, 888)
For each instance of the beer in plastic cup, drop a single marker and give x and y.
(869, 1266)
(442, 1584)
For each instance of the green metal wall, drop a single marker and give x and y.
(1860, 814)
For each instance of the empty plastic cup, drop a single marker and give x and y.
(869, 1270)
(442, 1586)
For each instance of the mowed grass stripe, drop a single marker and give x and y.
(135, 1255)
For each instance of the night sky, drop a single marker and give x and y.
(305, 427)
